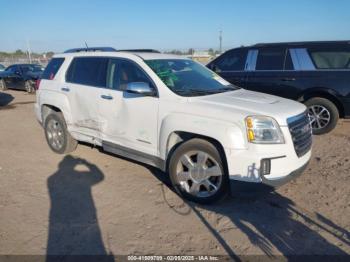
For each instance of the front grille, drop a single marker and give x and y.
(301, 131)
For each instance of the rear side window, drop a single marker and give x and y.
(270, 59)
(52, 68)
(232, 61)
(91, 71)
(331, 59)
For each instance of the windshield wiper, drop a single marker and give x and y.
(196, 92)
(229, 88)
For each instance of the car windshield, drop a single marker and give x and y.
(188, 78)
(2, 67)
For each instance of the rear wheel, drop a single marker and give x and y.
(3, 86)
(57, 135)
(29, 86)
(197, 172)
(323, 114)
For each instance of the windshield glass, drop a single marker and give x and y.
(188, 78)
(1, 67)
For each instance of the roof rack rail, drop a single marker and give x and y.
(91, 49)
(139, 50)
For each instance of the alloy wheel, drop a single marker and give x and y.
(55, 134)
(28, 87)
(319, 116)
(199, 174)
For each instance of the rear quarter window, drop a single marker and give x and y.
(52, 68)
(91, 71)
(331, 59)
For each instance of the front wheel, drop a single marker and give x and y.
(197, 172)
(323, 114)
(3, 86)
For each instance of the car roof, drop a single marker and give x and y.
(305, 43)
(25, 65)
(128, 54)
(297, 44)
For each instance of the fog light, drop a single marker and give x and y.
(265, 167)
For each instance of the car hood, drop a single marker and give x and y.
(245, 103)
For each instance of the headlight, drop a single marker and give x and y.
(263, 130)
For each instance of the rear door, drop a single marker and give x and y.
(128, 120)
(84, 78)
(231, 66)
(274, 73)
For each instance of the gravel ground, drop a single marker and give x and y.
(90, 202)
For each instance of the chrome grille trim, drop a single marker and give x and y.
(301, 132)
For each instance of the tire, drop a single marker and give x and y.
(57, 135)
(3, 86)
(186, 177)
(29, 87)
(327, 112)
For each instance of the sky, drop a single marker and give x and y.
(57, 25)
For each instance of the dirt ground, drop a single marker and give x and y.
(90, 202)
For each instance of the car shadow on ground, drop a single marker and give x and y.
(271, 222)
(73, 224)
(5, 99)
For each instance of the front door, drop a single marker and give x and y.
(230, 66)
(128, 120)
(12, 80)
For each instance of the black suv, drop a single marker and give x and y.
(315, 73)
(21, 76)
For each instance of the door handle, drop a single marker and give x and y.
(288, 79)
(107, 97)
(65, 89)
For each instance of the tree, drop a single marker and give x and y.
(19, 52)
(211, 51)
(49, 54)
(190, 51)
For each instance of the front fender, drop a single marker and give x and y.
(229, 135)
(58, 100)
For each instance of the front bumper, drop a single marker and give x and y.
(245, 165)
(281, 181)
(266, 185)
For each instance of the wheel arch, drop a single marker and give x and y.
(56, 102)
(326, 93)
(178, 137)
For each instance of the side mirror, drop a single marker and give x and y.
(141, 88)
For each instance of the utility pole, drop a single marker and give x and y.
(220, 39)
(29, 52)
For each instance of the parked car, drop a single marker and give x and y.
(176, 115)
(315, 73)
(21, 76)
(2, 67)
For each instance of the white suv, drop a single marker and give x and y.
(173, 113)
